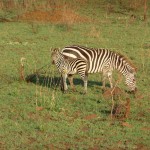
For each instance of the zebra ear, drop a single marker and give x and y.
(134, 70)
(55, 49)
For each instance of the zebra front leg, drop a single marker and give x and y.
(70, 78)
(85, 79)
(61, 83)
(64, 76)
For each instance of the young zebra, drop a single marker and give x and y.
(105, 61)
(69, 66)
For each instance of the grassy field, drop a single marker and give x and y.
(37, 115)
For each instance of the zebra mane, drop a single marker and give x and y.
(54, 49)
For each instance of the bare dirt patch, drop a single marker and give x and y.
(61, 15)
(90, 117)
(117, 92)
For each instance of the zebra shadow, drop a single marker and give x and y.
(56, 82)
(45, 81)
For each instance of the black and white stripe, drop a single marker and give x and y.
(105, 61)
(70, 66)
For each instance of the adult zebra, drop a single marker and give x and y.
(105, 61)
(69, 66)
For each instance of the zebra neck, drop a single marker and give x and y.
(60, 59)
(124, 70)
(62, 64)
(121, 66)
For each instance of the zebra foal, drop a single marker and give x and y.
(69, 66)
(105, 61)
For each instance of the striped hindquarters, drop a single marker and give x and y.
(77, 66)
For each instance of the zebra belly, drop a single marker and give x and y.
(94, 71)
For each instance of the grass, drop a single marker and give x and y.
(37, 115)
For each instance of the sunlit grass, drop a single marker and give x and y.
(37, 115)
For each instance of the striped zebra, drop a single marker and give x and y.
(69, 66)
(105, 61)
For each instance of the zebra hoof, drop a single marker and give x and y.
(85, 92)
(65, 92)
(74, 90)
(103, 89)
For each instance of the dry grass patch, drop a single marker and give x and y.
(61, 14)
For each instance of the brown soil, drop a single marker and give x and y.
(122, 111)
(108, 93)
(90, 117)
(126, 124)
(61, 15)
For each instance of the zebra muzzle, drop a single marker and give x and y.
(133, 91)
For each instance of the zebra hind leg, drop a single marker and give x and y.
(104, 82)
(64, 76)
(85, 80)
(70, 78)
(61, 83)
(110, 79)
(107, 73)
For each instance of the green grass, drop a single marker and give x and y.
(72, 120)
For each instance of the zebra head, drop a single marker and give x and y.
(55, 55)
(131, 81)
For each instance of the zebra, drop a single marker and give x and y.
(105, 61)
(68, 67)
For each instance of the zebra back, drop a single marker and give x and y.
(95, 56)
